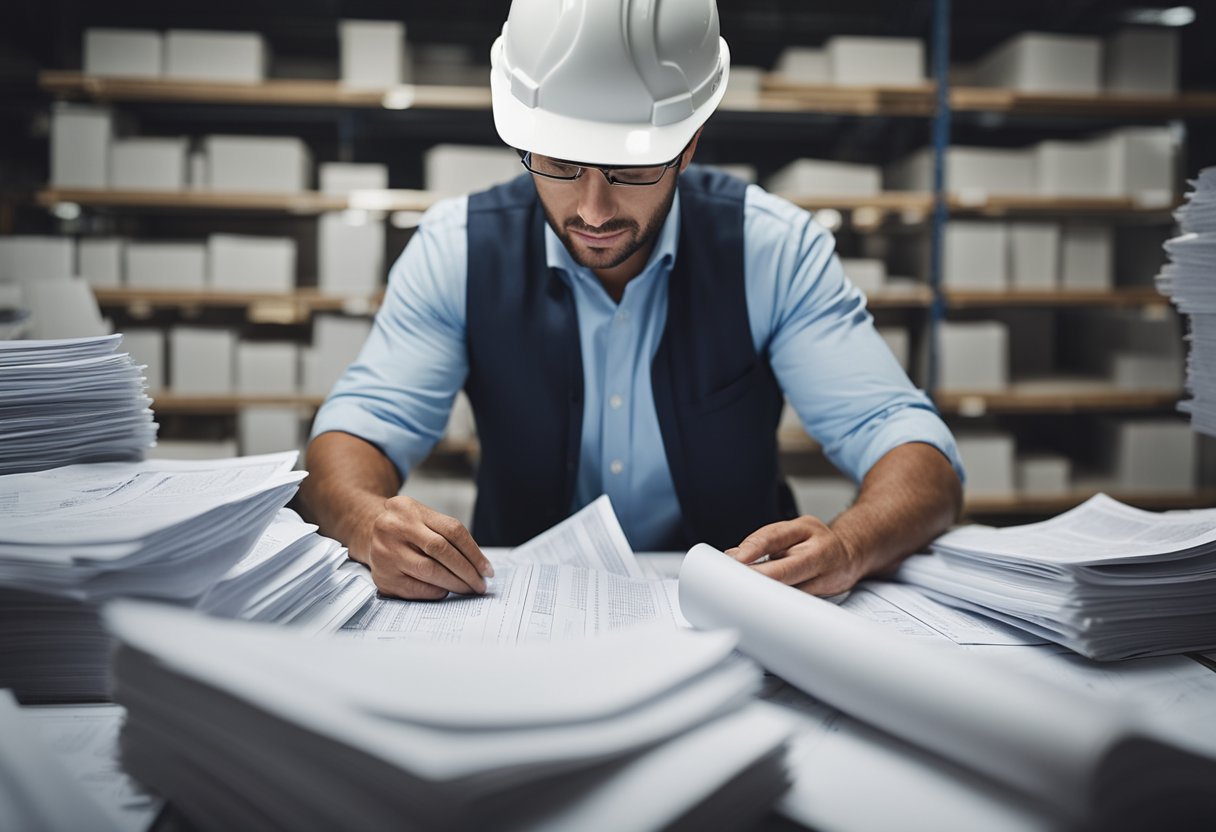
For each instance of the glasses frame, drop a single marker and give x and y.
(525, 158)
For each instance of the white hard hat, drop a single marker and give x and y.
(610, 82)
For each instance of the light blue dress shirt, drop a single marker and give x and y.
(806, 316)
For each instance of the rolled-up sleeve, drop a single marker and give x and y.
(398, 393)
(836, 371)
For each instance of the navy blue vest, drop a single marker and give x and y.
(718, 402)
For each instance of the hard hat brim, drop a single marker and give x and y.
(593, 142)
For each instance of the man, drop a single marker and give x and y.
(624, 324)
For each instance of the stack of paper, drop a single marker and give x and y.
(1013, 749)
(1104, 579)
(258, 727)
(1189, 279)
(76, 536)
(291, 575)
(69, 401)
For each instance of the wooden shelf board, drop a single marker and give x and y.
(1054, 504)
(996, 100)
(305, 300)
(1121, 297)
(978, 403)
(915, 100)
(307, 202)
(999, 206)
(886, 202)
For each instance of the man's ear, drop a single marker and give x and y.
(686, 159)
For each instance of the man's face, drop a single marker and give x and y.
(604, 225)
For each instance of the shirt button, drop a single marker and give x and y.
(616, 401)
(617, 466)
(622, 316)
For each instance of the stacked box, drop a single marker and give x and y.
(200, 360)
(816, 176)
(974, 255)
(893, 62)
(350, 253)
(148, 164)
(373, 53)
(804, 65)
(100, 261)
(459, 169)
(258, 164)
(1072, 169)
(1155, 455)
(1034, 255)
(1046, 63)
(988, 459)
(973, 356)
(251, 264)
(1087, 257)
(267, 368)
(340, 178)
(267, 430)
(1042, 474)
(974, 173)
(867, 273)
(1141, 163)
(1142, 61)
(27, 257)
(80, 146)
(196, 55)
(169, 265)
(123, 53)
(336, 342)
(147, 347)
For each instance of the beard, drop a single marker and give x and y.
(636, 236)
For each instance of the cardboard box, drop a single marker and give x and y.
(974, 255)
(123, 53)
(27, 257)
(899, 342)
(340, 178)
(1044, 474)
(1042, 62)
(745, 172)
(268, 367)
(80, 146)
(821, 177)
(887, 62)
(1072, 169)
(1087, 257)
(350, 253)
(1034, 255)
(459, 169)
(197, 55)
(147, 347)
(973, 356)
(988, 460)
(157, 265)
(867, 273)
(1141, 371)
(201, 361)
(744, 83)
(63, 307)
(1156, 455)
(148, 164)
(100, 261)
(1142, 61)
(1141, 164)
(804, 65)
(973, 173)
(251, 264)
(258, 164)
(267, 430)
(373, 53)
(336, 342)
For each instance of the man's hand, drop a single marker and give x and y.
(417, 553)
(804, 553)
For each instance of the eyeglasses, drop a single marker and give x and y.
(564, 171)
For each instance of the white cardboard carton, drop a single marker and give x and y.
(267, 430)
(744, 83)
(123, 53)
(1034, 255)
(350, 253)
(27, 257)
(899, 342)
(340, 178)
(816, 176)
(100, 261)
(147, 347)
(157, 265)
(1142, 61)
(148, 164)
(373, 53)
(804, 65)
(988, 460)
(1087, 257)
(1072, 169)
(1043, 474)
(1042, 62)
(336, 342)
(267, 367)
(200, 360)
(63, 307)
(973, 173)
(973, 356)
(1156, 455)
(887, 62)
(1141, 163)
(974, 255)
(867, 273)
(80, 146)
(198, 55)
(258, 164)
(251, 264)
(459, 169)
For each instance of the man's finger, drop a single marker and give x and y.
(458, 536)
(793, 569)
(424, 568)
(772, 539)
(439, 549)
(400, 585)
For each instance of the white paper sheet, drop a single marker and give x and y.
(591, 537)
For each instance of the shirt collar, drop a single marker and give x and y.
(661, 257)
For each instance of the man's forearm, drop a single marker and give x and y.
(348, 481)
(909, 497)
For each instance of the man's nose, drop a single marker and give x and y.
(596, 200)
